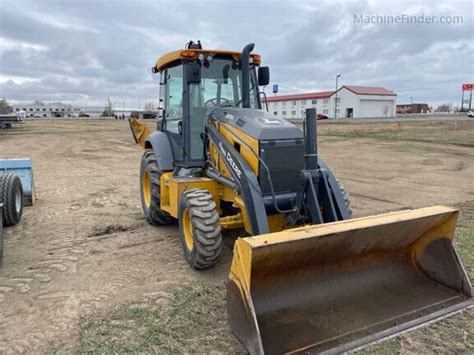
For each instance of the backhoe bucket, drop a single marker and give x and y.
(335, 287)
(140, 131)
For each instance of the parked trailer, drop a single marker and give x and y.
(17, 189)
(23, 168)
(11, 204)
(7, 120)
(1, 232)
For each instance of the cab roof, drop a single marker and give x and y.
(180, 54)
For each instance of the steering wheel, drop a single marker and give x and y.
(213, 102)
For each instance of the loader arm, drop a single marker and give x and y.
(317, 199)
(246, 179)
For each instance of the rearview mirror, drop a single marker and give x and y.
(193, 73)
(263, 76)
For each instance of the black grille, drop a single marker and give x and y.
(285, 159)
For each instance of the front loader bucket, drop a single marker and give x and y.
(338, 286)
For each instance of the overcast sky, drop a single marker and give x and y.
(84, 51)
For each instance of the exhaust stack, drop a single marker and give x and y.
(244, 59)
(311, 144)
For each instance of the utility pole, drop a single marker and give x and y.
(470, 99)
(109, 104)
(335, 99)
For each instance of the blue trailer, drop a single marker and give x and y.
(23, 168)
(17, 189)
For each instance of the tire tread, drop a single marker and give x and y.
(8, 185)
(206, 228)
(154, 215)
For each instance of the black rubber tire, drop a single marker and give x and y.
(1, 235)
(10, 190)
(205, 226)
(153, 214)
(345, 195)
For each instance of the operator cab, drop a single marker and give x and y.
(193, 84)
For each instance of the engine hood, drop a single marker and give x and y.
(258, 124)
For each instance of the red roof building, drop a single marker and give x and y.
(352, 101)
(308, 96)
(368, 90)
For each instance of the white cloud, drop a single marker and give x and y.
(89, 50)
(7, 44)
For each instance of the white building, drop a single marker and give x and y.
(48, 110)
(352, 101)
(39, 109)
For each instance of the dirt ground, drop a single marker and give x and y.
(84, 272)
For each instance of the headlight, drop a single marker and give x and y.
(201, 57)
(209, 58)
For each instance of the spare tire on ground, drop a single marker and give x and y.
(11, 194)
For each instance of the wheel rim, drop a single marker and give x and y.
(146, 189)
(188, 230)
(18, 201)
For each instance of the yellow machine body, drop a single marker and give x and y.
(172, 187)
(329, 287)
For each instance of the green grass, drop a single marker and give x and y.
(193, 320)
(421, 132)
(194, 314)
(391, 346)
(464, 242)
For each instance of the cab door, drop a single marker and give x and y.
(172, 87)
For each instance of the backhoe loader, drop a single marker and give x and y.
(304, 277)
